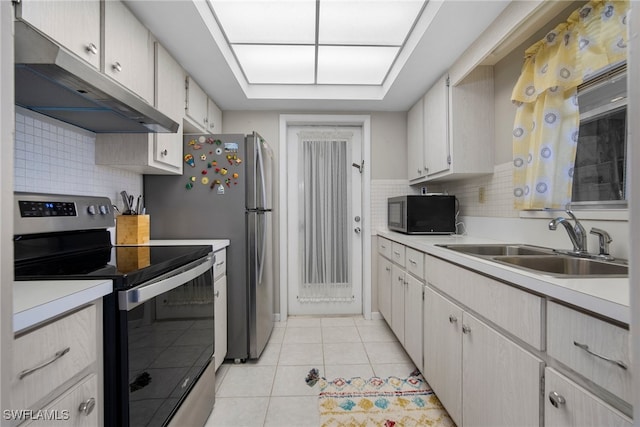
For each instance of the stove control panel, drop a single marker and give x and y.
(31, 209)
(45, 213)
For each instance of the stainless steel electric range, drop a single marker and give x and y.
(158, 322)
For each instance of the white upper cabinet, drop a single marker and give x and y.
(415, 141)
(73, 24)
(202, 114)
(128, 50)
(457, 130)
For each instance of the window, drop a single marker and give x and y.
(599, 176)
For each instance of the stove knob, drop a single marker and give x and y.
(92, 210)
(104, 209)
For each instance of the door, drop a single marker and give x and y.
(324, 225)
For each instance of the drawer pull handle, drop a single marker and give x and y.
(87, 406)
(216, 294)
(220, 263)
(466, 329)
(453, 319)
(412, 262)
(556, 399)
(387, 268)
(396, 252)
(55, 357)
(585, 347)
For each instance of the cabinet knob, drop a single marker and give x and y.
(419, 171)
(216, 294)
(387, 268)
(117, 67)
(91, 48)
(556, 399)
(466, 329)
(211, 125)
(87, 406)
(164, 152)
(453, 319)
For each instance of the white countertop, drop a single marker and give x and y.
(41, 300)
(217, 244)
(608, 297)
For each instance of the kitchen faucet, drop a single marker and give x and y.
(577, 234)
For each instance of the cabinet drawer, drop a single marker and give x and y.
(75, 332)
(75, 408)
(415, 262)
(580, 408)
(398, 254)
(220, 263)
(578, 340)
(518, 312)
(384, 247)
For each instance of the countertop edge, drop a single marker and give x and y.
(216, 244)
(56, 297)
(611, 302)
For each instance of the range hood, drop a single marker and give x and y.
(52, 81)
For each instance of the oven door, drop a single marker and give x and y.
(168, 324)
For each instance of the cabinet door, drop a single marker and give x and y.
(576, 407)
(397, 301)
(501, 380)
(214, 117)
(73, 24)
(196, 108)
(384, 288)
(169, 89)
(436, 127)
(220, 322)
(128, 50)
(415, 142)
(413, 319)
(442, 348)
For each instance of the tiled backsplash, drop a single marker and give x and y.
(54, 157)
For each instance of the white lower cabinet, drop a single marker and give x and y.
(384, 287)
(481, 377)
(413, 319)
(397, 301)
(220, 307)
(569, 405)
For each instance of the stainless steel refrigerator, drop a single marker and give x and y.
(225, 192)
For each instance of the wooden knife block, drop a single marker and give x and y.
(132, 229)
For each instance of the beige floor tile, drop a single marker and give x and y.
(310, 335)
(400, 370)
(238, 412)
(290, 381)
(303, 322)
(338, 334)
(338, 321)
(269, 356)
(277, 335)
(293, 411)
(376, 333)
(301, 354)
(247, 381)
(345, 354)
(386, 352)
(348, 371)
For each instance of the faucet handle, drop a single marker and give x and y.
(603, 238)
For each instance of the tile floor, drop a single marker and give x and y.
(272, 392)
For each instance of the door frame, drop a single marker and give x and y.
(363, 121)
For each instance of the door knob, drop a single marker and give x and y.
(357, 230)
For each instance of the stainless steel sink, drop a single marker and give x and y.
(563, 265)
(499, 249)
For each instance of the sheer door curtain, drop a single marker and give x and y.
(547, 122)
(324, 212)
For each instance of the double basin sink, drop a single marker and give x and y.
(543, 260)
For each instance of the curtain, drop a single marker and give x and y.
(324, 211)
(545, 133)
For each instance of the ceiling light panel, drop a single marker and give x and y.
(371, 22)
(277, 64)
(355, 65)
(267, 21)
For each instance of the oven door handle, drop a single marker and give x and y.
(135, 296)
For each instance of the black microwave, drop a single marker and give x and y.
(430, 214)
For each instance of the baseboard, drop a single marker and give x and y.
(375, 315)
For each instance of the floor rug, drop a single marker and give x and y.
(389, 402)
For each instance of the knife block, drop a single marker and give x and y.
(132, 229)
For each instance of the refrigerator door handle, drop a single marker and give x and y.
(262, 246)
(261, 169)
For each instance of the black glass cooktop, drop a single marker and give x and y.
(91, 256)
